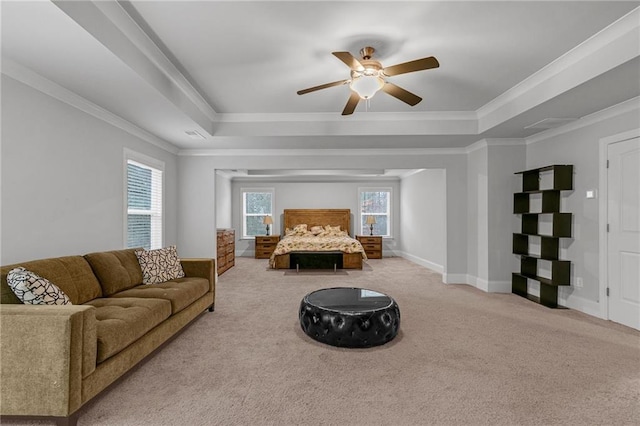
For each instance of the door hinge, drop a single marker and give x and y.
(607, 227)
(607, 164)
(607, 291)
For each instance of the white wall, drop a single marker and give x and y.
(63, 178)
(580, 147)
(423, 205)
(313, 195)
(223, 202)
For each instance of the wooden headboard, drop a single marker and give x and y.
(315, 217)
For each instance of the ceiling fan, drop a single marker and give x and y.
(368, 76)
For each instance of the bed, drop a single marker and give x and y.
(350, 249)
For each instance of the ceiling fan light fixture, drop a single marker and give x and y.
(368, 77)
(366, 85)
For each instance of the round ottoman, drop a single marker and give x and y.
(349, 317)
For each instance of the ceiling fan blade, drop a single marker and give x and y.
(322, 86)
(412, 66)
(351, 104)
(349, 59)
(399, 93)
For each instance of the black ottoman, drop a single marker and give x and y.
(349, 317)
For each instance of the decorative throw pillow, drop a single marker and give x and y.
(32, 289)
(159, 265)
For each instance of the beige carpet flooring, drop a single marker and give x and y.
(462, 357)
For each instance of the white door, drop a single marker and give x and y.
(623, 211)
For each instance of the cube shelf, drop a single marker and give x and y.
(561, 227)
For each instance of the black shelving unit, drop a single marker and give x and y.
(549, 244)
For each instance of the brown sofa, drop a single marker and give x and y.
(54, 359)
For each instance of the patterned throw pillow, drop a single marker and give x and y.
(32, 289)
(160, 265)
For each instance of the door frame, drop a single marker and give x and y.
(603, 264)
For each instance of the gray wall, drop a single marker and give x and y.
(63, 178)
(502, 162)
(580, 147)
(477, 222)
(196, 173)
(197, 211)
(423, 216)
(223, 202)
(313, 195)
(62, 175)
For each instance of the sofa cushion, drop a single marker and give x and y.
(180, 292)
(122, 321)
(32, 289)
(72, 274)
(159, 265)
(116, 270)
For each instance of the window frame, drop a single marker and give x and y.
(389, 212)
(145, 161)
(244, 215)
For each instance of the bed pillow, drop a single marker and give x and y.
(298, 230)
(316, 230)
(32, 289)
(160, 265)
(333, 231)
(330, 228)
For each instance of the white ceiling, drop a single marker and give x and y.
(230, 69)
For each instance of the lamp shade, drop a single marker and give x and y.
(371, 220)
(267, 220)
(367, 85)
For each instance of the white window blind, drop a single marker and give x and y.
(144, 206)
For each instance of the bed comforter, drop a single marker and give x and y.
(292, 243)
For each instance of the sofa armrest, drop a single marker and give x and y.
(202, 268)
(45, 352)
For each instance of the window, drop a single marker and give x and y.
(144, 202)
(256, 204)
(375, 202)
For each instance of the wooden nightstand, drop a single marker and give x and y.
(372, 245)
(265, 245)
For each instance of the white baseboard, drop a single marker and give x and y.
(455, 278)
(577, 303)
(489, 286)
(422, 262)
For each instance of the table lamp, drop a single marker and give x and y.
(371, 220)
(267, 221)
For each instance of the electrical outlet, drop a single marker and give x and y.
(578, 283)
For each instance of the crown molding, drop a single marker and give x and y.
(113, 27)
(485, 143)
(358, 116)
(411, 173)
(617, 41)
(36, 81)
(588, 120)
(122, 19)
(318, 152)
